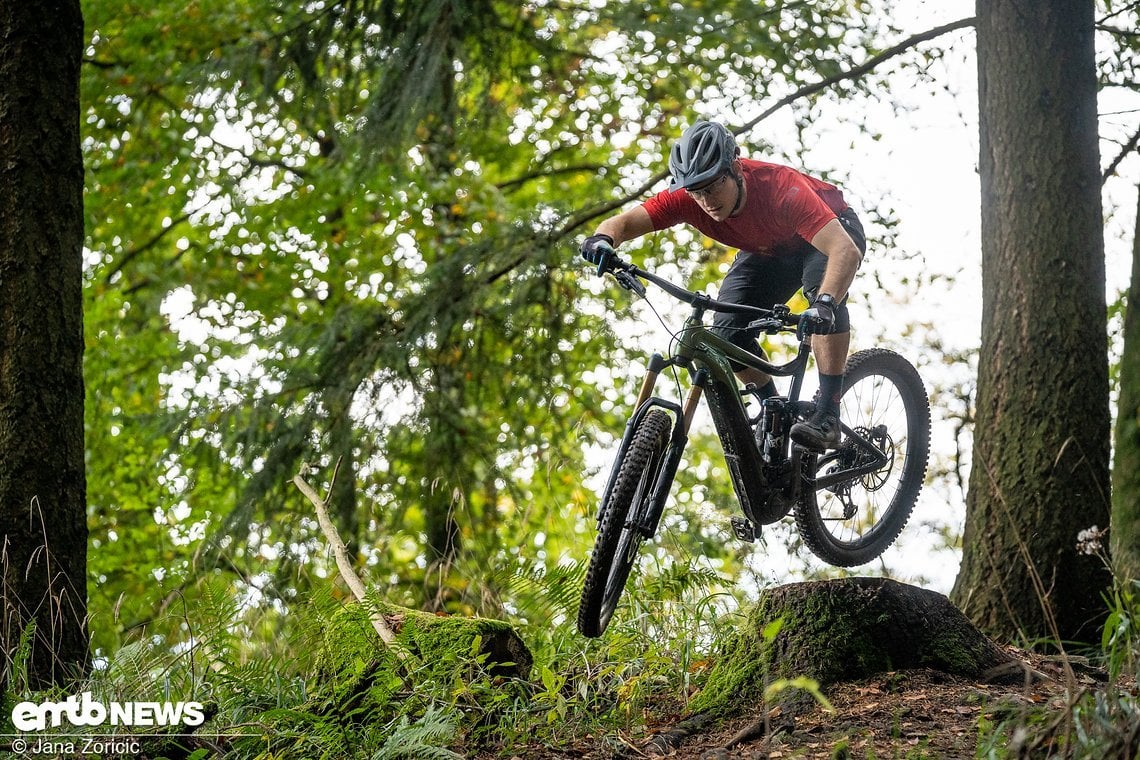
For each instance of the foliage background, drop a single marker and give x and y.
(345, 231)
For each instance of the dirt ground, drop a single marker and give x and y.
(905, 714)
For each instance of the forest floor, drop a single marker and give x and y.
(905, 714)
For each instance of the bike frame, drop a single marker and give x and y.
(708, 357)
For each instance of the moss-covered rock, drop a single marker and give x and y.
(439, 644)
(364, 679)
(840, 630)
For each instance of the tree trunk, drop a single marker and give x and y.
(1040, 463)
(43, 509)
(844, 630)
(829, 632)
(1125, 535)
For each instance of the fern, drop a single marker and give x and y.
(546, 592)
(426, 738)
(17, 665)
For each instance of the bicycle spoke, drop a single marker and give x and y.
(872, 402)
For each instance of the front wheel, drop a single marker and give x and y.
(619, 537)
(854, 520)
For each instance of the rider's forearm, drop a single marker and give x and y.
(843, 259)
(840, 273)
(626, 225)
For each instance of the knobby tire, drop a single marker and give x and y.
(615, 550)
(880, 387)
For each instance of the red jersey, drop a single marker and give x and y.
(782, 207)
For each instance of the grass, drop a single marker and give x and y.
(291, 699)
(281, 697)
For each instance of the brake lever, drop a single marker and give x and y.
(629, 282)
(769, 325)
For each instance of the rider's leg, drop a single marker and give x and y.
(822, 430)
(831, 352)
(755, 280)
(762, 380)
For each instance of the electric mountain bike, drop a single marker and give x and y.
(850, 503)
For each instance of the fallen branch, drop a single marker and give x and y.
(344, 564)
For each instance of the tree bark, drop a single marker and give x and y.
(830, 632)
(844, 630)
(1040, 463)
(1125, 534)
(43, 509)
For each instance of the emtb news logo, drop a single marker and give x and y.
(81, 710)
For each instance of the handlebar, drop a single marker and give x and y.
(626, 273)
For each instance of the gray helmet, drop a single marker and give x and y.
(705, 151)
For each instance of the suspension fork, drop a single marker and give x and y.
(648, 521)
(673, 454)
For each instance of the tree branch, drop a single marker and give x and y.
(145, 246)
(1119, 11)
(586, 215)
(859, 70)
(539, 173)
(1129, 146)
(1117, 31)
(344, 564)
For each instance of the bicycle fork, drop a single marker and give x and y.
(647, 521)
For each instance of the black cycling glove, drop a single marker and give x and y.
(820, 318)
(598, 249)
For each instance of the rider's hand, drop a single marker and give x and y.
(820, 318)
(598, 249)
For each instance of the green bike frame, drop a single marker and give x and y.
(707, 357)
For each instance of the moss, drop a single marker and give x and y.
(833, 631)
(738, 675)
(440, 644)
(362, 676)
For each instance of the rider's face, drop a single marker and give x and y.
(717, 198)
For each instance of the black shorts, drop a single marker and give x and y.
(764, 280)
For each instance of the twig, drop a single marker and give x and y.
(1130, 146)
(344, 565)
(578, 219)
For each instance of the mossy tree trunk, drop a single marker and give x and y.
(1040, 462)
(829, 632)
(1125, 536)
(841, 630)
(43, 512)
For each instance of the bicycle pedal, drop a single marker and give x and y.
(743, 529)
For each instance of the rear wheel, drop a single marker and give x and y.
(854, 521)
(616, 547)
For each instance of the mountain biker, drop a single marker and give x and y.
(792, 230)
